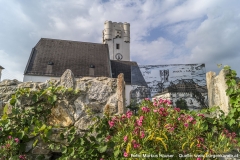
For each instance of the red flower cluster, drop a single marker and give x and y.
(170, 127)
(200, 142)
(186, 119)
(145, 109)
(23, 157)
(231, 136)
(135, 144)
(163, 111)
(139, 121)
(107, 138)
(177, 109)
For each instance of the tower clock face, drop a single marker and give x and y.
(119, 56)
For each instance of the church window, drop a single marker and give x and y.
(117, 46)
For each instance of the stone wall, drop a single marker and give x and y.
(96, 94)
(216, 85)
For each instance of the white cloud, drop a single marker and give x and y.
(155, 52)
(189, 10)
(216, 40)
(206, 30)
(10, 66)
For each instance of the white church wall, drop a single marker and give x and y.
(28, 78)
(128, 89)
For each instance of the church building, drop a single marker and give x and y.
(49, 58)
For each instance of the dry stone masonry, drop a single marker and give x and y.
(97, 94)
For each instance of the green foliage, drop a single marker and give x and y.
(29, 123)
(133, 106)
(233, 92)
(182, 104)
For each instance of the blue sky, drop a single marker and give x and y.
(162, 32)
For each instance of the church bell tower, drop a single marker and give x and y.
(117, 36)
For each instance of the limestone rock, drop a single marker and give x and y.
(67, 79)
(84, 123)
(7, 82)
(99, 92)
(82, 86)
(60, 115)
(111, 106)
(217, 90)
(79, 107)
(29, 145)
(86, 78)
(121, 94)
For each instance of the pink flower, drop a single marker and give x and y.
(145, 109)
(23, 157)
(147, 99)
(200, 115)
(177, 109)
(161, 100)
(124, 116)
(201, 139)
(155, 104)
(190, 119)
(16, 140)
(136, 145)
(129, 114)
(114, 119)
(155, 110)
(169, 102)
(111, 123)
(186, 125)
(229, 135)
(179, 118)
(233, 134)
(198, 145)
(142, 134)
(139, 122)
(165, 101)
(162, 109)
(199, 158)
(125, 154)
(9, 137)
(125, 138)
(101, 159)
(107, 138)
(171, 129)
(136, 130)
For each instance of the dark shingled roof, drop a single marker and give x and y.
(51, 57)
(131, 71)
